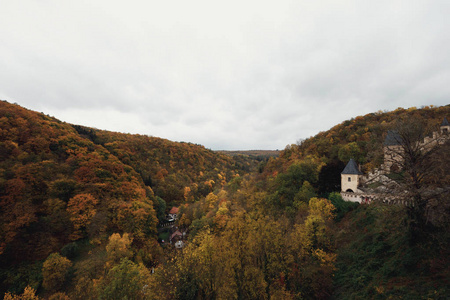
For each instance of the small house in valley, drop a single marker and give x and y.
(173, 213)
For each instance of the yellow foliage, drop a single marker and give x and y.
(223, 208)
(188, 195)
(221, 218)
(326, 259)
(321, 207)
(118, 247)
(211, 200)
(222, 194)
(312, 234)
(28, 294)
(184, 221)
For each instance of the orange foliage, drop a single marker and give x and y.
(81, 209)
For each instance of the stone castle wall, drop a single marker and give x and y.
(392, 156)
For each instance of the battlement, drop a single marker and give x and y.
(367, 198)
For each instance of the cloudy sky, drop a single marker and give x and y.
(224, 74)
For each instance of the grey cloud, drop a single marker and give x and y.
(231, 75)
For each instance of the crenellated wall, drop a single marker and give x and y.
(365, 198)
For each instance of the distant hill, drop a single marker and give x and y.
(169, 168)
(252, 153)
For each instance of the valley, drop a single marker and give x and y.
(83, 212)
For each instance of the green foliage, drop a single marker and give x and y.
(198, 225)
(70, 250)
(349, 151)
(63, 189)
(235, 183)
(330, 178)
(305, 193)
(288, 187)
(342, 207)
(17, 278)
(126, 280)
(164, 236)
(55, 270)
(161, 208)
(375, 259)
(187, 286)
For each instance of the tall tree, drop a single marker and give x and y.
(419, 178)
(54, 271)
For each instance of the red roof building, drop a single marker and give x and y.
(174, 211)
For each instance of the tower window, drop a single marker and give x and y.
(349, 179)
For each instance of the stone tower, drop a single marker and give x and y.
(350, 177)
(445, 127)
(392, 149)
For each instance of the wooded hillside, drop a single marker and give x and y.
(62, 183)
(79, 209)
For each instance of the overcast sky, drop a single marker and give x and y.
(224, 74)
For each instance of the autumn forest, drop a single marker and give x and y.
(88, 214)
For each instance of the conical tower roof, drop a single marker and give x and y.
(351, 168)
(392, 138)
(445, 122)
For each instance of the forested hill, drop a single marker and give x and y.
(79, 209)
(257, 154)
(177, 172)
(360, 138)
(61, 183)
(382, 251)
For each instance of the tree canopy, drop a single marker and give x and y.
(80, 208)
